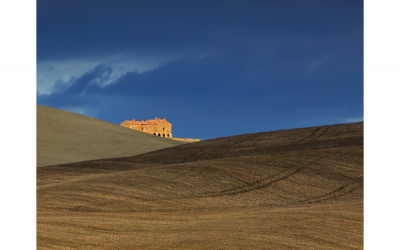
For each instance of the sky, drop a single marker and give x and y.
(211, 68)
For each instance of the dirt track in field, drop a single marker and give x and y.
(299, 188)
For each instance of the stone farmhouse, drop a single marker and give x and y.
(158, 127)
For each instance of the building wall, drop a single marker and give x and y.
(158, 127)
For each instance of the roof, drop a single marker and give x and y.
(154, 121)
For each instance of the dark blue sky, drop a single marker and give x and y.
(211, 68)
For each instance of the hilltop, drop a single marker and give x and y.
(65, 137)
(298, 188)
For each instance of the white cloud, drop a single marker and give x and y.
(63, 72)
(48, 73)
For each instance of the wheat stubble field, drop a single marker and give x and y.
(65, 137)
(299, 188)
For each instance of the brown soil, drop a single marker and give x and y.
(299, 188)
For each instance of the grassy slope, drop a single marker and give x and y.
(300, 188)
(64, 137)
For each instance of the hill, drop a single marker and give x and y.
(298, 188)
(65, 137)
